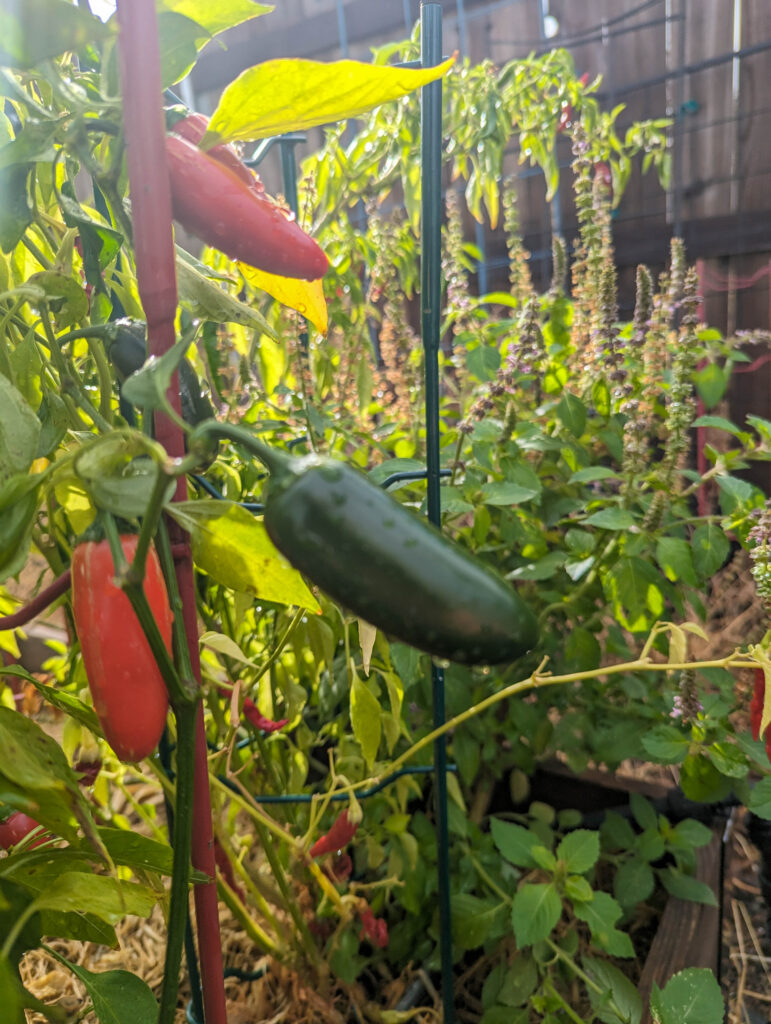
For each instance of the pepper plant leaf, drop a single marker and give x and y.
(233, 547)
(66, 702)
(19, 431)
(365, 719)
(291, 95)
(34, 769)
(16, 208)
(119, 997)
(105, 897)
(210, 302)
(216, 15)
(35, 30)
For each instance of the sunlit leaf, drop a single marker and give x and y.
(19, 431)
(34, 30)
(216, 15)
(233, 547)
(307, 297)
(365, 719)
(292, 95)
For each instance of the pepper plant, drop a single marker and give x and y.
(564, 437)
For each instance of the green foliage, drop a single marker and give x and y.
(565, 438)
(692, 996)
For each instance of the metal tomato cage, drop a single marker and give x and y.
(431, 289)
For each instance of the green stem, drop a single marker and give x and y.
(274, 654)
(42, 259)
(549, 986)
(150, 520)
(573, 966)
(258, 935)
(491, 885)
(185, 715)
(537, 680)
(456, 460)
(189, 683)
(105, 378)
(265, 827)
(115, 202)
(16, 929)
(68, 377)
(290, 903)
(694, 487)
(5, 353)
(213, 430)
(262, 904)
(13, 88)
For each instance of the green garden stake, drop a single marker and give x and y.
(430, 312)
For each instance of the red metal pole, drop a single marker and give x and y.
(154, 248)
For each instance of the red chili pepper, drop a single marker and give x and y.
(341, 833)
(194, 127)
(374, 929)
(258, 720)
(15, 827)
(129, 693)
(211, 201)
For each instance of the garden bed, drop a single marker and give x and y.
(684, 934)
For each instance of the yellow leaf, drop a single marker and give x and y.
(307, 297)
(292, 95)
(76, 503)
(233, 547)
(216, 16)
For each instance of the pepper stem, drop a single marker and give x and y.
(185, 715)
(200, 440)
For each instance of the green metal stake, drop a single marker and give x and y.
(289, 171)
(430, 311)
